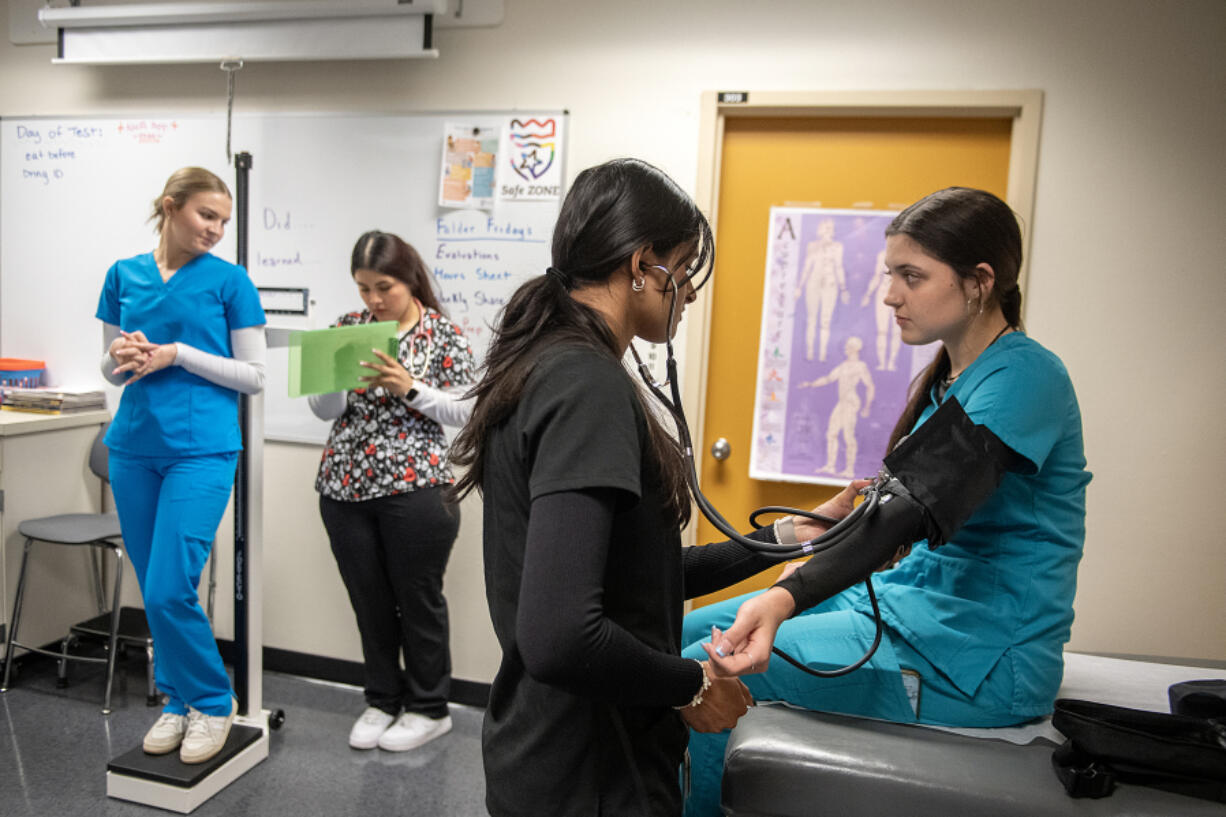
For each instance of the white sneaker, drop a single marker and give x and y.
(206, 734)
(413, 730)
(373, 723)
(166, 734)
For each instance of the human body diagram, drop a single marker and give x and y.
(822, 281)
(849, 374)
(889, 335)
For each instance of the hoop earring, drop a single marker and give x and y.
(639, 284)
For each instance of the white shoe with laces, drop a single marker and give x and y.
(206, 734)
(165, 735)
(412, 730)
(370, 726)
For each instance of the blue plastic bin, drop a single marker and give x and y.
(16, 373)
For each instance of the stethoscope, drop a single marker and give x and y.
(838, 531)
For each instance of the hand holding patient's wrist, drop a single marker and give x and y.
(779, 601)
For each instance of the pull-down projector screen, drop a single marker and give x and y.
(249, 31)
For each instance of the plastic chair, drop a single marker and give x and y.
(97, 530)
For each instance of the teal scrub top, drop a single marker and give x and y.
(1004, 587)
(173, 412)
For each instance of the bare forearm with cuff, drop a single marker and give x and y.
(854, 558)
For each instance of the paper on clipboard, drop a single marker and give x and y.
(326, 360)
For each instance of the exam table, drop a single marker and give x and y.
(787, 762)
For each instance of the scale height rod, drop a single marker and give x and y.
(242, 477)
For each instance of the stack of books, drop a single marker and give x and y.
(52, 401)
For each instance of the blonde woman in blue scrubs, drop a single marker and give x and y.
(183, 333)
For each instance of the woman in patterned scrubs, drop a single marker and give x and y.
(382, 494)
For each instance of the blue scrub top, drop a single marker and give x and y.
(173, 412)
(1003, 588)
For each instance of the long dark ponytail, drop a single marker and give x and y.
(962, 227)
(610, 212)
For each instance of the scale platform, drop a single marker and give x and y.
(166, 782)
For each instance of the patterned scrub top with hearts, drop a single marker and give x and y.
(381, 445)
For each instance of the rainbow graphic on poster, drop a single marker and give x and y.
(534, 146)
(532, 167)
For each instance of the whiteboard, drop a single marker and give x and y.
(75, 195)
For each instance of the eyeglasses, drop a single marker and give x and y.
(689, 277)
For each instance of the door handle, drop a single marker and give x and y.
(721, 449)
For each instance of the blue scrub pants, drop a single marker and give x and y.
(169, 509)
(828, 636)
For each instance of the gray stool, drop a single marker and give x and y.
(93, 530)
(76, 529)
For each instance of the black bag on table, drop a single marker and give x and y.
(1178, 753)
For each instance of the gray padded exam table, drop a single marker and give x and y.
(784, 762)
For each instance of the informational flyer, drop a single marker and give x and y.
(833, 373)
(530, 159)
(470, 156)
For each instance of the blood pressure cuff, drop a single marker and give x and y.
(950, 466)
(931, 484)
(897, 520)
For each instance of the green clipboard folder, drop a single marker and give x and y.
(326, 360)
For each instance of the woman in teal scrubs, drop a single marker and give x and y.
(183, 333)
(975, 629)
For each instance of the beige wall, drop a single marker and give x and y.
(1126, 272)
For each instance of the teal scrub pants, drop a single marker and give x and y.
(828, 636)
(169, 509)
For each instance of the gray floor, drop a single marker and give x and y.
(55, 744)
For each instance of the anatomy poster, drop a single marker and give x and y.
(833, 373)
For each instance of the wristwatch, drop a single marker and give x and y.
(411, 395)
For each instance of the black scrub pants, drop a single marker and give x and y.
(392, 553)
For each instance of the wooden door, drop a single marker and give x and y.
(881, 163)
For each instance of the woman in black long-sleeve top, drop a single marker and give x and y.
(584, 498)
